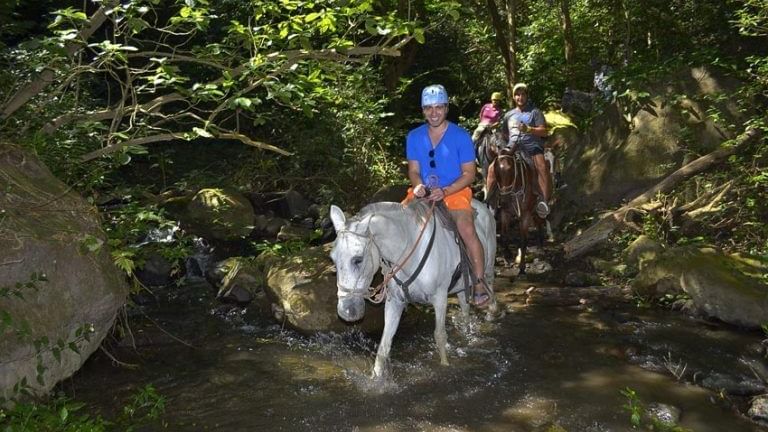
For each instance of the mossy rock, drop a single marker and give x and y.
(303, 291)
(731, 288)
(51, 324)
(219, 214)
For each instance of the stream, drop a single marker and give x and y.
(534, 369)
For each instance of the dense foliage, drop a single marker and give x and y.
(317, 95)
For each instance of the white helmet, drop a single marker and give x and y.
(434, 94)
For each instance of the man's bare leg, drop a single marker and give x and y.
(466, 226)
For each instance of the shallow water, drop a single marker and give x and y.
(532, 369)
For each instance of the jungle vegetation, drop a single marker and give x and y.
(128, 100)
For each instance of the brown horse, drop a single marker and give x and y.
(516, 183)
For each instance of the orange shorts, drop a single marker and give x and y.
(461, 200)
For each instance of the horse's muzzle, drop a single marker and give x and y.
(351, 308)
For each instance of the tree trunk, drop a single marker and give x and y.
(512, 6)
(500, 30)
(603, 228)
(47, 75)
(570, 43)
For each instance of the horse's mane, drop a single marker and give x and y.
(417, 209)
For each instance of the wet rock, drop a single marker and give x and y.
(47, 229)
(726, 287)
(758, 408)
(156, 271)
(665, 414)
(237, 279)
(302, 289)
(733, 385)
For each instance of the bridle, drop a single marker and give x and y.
(510, 188)
(378, 294)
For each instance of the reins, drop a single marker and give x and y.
(510, 189)
(379, 293)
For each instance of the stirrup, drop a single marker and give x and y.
(542, 209)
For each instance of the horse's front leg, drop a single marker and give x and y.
(464, 305)
(393, 310)
(525, 221)
(440, 303)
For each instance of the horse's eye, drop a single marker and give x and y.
(356, 261)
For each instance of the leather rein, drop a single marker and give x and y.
(378, 294)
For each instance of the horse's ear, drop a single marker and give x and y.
(338, 218)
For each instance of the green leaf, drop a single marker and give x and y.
(418, 34)
(63, 414)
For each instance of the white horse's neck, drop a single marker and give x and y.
(397, 232)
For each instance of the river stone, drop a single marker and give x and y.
(666, 414)
(49, 229)
(236, 279)
(726, 287)
(733, 385)
(303, 291)
(219, 214)
(758, 408)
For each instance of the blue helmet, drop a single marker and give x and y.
(434, 94)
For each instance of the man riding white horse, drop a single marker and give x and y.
(441, 167)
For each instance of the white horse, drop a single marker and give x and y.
(381, 236)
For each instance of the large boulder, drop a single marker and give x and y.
(727, 287)
(640, 139)
(60, 291)
(303, 292)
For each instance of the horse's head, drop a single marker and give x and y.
(357, 259)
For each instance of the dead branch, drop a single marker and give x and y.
(602, 229)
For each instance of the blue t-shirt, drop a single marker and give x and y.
(454, 149)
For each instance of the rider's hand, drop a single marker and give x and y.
(420, 190)
(436, 194)
(524, 127)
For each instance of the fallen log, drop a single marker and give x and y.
(573, 296)
(603, 228)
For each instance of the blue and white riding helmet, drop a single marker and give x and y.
(434, 94)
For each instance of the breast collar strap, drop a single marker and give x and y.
(406, 284)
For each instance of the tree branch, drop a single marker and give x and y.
(47, 75)
(602, 229)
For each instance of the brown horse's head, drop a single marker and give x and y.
(514, 175)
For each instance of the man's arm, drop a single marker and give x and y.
(540, 129)
(468, 171)
(414, 175)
